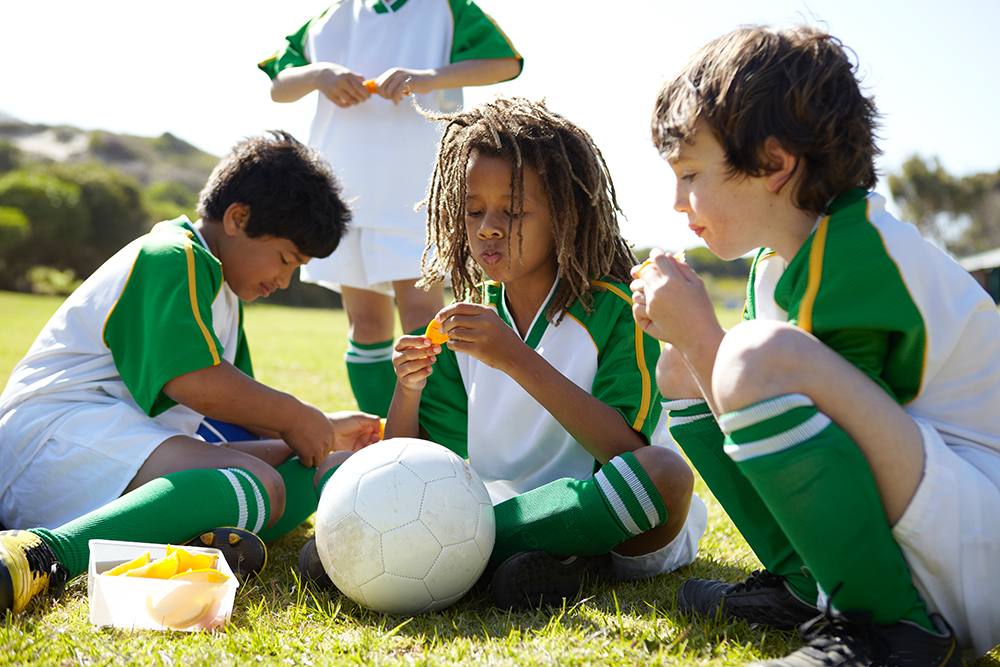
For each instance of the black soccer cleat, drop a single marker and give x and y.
(243, 550)
(28, 568)
(845, 641)
(311, 568)
(536, 578)
(764, 598)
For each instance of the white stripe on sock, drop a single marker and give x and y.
(617, 504)
(779, 443)
(681, 421)
(638, 490)
(734, 421)
(682, 403)
(241, 498)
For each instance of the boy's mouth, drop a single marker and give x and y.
(490, 256)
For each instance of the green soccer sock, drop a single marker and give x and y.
(695, 430)
(300, 499)
(572, 517)
(818, 486)
(372, 376)
(168, 510)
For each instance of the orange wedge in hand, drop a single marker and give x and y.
(434, 333)
(373, 87)
(133, 564)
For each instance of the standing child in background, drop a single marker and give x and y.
(545, 384)
(428, 49)
(850, 424)
(103, 423)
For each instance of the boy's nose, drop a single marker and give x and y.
(680, 200)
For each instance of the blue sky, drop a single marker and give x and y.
(189, 68)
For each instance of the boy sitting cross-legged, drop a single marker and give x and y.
(105, 424)
(849, 424)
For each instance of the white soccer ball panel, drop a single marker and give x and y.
(396, 595)
(450, 511)
(389, 497)
(428, 460)
(456, 570)
(487, 534)
(337, 499)
(351, 551)
(410, 550)
(471, 479)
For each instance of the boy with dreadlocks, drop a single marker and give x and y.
(545, 384)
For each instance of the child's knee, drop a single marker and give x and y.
(670, 474)
(673, 378)
(274, 487)
(760, 359)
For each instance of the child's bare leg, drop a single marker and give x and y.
(674, 481)
(759, 360)
(831, 455)
(184, 453)
(673, 378)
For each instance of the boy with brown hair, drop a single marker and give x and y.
(848, 425)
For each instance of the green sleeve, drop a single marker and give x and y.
(161, 325)
(444, 405)
(626, 371)
(293, 52)
(847, 291)
(477, 35)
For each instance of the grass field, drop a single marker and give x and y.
(276, 622)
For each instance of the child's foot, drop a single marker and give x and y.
(311, 567)
(535, 578)
(839, 641)
(763, 598)
(243, 550)
(27, 568)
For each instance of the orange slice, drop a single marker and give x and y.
(161, 568)
(381, 429)
(434, 333)
(130, 565)
(204, 576)
(371, 86)
(188, 560)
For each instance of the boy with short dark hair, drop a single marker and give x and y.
(849, 424)
(103, 423)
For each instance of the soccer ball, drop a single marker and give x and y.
(405, 526)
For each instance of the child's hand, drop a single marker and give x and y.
(478, 331)
(354, 431)
(398, 81)
(412, 357)
(341, 86)
(670, 302)
(311, 435)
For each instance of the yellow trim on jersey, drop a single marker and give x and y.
(815, 274)
(189, 253)
(640, 359)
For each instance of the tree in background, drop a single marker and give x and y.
(961, 215)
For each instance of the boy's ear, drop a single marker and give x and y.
(783, 164)
(235, 218)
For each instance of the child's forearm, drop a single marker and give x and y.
(403, 420)
(294, 83)
(475, 72)
(594, 424)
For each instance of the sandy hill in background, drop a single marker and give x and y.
(148, 159)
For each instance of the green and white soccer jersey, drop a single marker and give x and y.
(511, 441)
(916, 323)
(88, 395)
(896, 307)
(384, 152)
